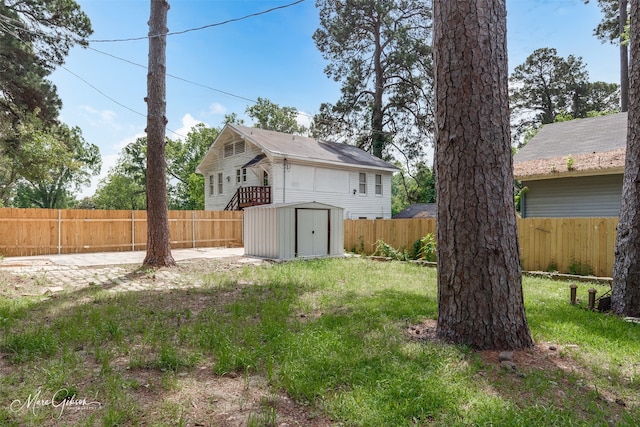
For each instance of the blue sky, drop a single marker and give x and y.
(270, 56)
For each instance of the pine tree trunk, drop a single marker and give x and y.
(158, 239)
(480, 300)
(378, 140)
(624, 59)
(625, 296)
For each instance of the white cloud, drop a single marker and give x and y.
(108, 116)
(304, 119)
(100, 117)
(108, 162)
(217, 109)
(188, 122)
(128, 140)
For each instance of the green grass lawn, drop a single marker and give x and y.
(329, 334)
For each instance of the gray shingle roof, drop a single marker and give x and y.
(596, 145)
(418, 210)
(302, 147)
(575, 137)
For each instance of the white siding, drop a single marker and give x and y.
(334, 187)
(589, 196)
(228, 166)
(331, 180)
(302, 183)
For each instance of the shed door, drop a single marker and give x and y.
(312, 232)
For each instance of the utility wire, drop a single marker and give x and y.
(253, 101)
(13, 23)
(217, 24)
(111, 99)
(176, 77)
(101, 92)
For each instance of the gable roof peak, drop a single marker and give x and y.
(279, 144)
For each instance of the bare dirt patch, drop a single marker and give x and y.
(544, 356)
(199, 397)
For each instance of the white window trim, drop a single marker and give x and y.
(361, 184)
(378, 186)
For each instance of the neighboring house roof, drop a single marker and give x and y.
(419, 210)
(281, 145)
(597, 146)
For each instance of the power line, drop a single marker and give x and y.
(14, 23)
(111, 99)
(253, 101)
(177, 77)
(101, 92)
(217, 24)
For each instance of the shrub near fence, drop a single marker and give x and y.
(25, 232)
(361, 235)
(567, 245)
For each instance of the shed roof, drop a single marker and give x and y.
(418, 210)
(312, 204)
(278, 144)
(597, 146)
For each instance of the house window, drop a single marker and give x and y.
(220, 183)
(379, 185)
(363, 183)
(233, 148)
(238, 176)
(239, 147)
(211, 184)
(244, 174)
(265, 179)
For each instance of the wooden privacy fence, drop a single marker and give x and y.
(563, 244)
(25, 232)
(568, 245)
(361, 235)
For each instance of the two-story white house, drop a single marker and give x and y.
(248, 166)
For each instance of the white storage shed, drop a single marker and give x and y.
(293, 230)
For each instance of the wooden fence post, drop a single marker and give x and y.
(59, 233)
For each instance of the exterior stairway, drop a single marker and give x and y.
(249, 196)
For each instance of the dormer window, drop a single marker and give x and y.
(239, 147)
(228, 150)
(233, 148)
